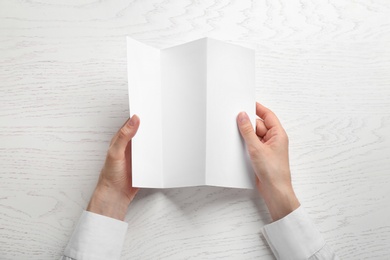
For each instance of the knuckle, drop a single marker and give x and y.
(123, 133)
(112, 154)
(247, 129)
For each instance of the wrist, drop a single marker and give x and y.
(281, 201)
(110, 203)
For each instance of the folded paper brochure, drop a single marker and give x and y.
(188, 97)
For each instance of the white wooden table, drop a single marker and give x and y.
(322, 66)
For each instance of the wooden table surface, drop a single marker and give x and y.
(322, 66)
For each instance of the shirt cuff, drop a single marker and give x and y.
(96, 237)
(294, 236)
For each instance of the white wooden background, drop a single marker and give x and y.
(322, 66)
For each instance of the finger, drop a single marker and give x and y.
(272, 132)
(116, 135)
(269, 117)
(129, 160)
(246, 130)
(261, 129)
(125, 134)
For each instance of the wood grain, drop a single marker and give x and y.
(322, 66)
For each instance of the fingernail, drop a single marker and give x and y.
(243, 118)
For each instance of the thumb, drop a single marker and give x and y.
(124, 135)
(246, 130)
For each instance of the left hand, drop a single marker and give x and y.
(114, 190)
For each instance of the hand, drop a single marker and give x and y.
(114, 190)
(268, 151)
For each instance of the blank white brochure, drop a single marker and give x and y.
(188, 98)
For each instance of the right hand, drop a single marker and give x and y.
(268, 151)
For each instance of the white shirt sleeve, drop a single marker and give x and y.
(296, 237)
(96, 237)
(292, 237)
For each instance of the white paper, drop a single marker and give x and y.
(188, 97)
